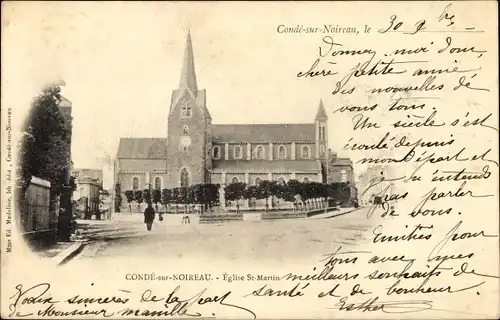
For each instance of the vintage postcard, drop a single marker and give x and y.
(250, 160)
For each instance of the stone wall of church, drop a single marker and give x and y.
(142, 165)
(271, 151)
(144, 179)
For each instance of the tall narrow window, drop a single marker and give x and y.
(305, 152)
(322, 149)
(343, 176)
(237, 152)
(184, 178)
(135, 183)
(216, 152)
(282, 152)
(158, 183)
(185, 130)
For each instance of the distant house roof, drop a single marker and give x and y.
(263, 132)
(142, 148)
(341, 162)
(239, 166)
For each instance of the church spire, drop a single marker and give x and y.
(188, 75)
(321, 114)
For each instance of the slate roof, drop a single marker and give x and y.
(238, 166)
(341, 162)
(92, 173)
(188, 74)
(142, 148)
(263, 132)
(321, 114)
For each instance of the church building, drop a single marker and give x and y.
(198, 151)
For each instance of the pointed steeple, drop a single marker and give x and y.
(321, 114)
(188, 75)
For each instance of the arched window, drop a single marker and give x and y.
(184, 178)
(237, 152)
(185, 130)
(321, 149)
(321, 133)
(259, 152)
(158, 183)
(305, 180)
(282, 153)
(257, 181)
(135, 183)
(305, 152)
(216, 152)
(235, 180)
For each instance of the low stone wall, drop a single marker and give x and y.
(216, 218)
(279, 215)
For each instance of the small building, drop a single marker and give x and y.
(368, 189)
(91, 173)
(88, 190)
(342, 170)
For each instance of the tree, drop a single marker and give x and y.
(138, 197)
(273, 190)
(156, 197)
(250, 192)
(130, 197)
(166, 197)
(264, 191)
(289, 190)
(281, 191)
(146, 195)
(44, 152)
(176, 198)
(211, 194)
(184, 197)
(323, 193)
(235, 192)
(118, 197)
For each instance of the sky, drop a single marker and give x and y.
(121, 60)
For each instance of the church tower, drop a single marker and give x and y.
(189, 129)
(321, 124)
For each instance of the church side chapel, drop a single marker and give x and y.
(198, 151)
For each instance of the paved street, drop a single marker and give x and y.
(240, 240)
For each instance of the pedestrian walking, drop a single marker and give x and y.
(149, 216)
